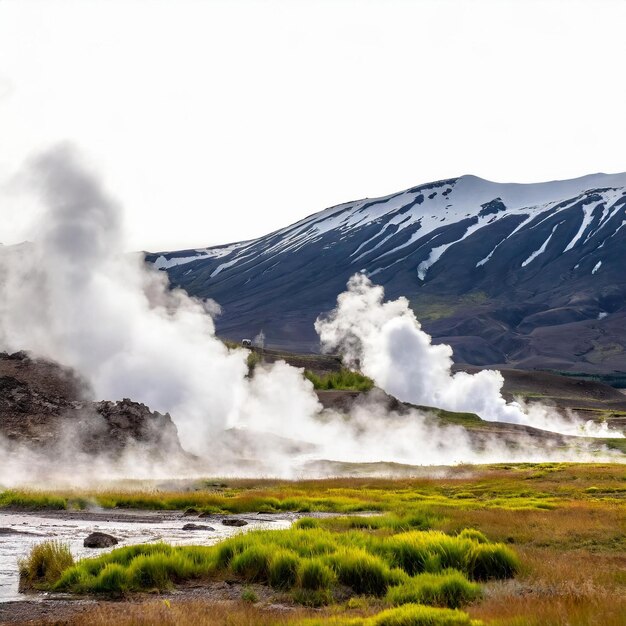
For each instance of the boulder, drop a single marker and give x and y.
(100, 540)
(197, 527)
(234, 521)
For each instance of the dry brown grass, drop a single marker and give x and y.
(591, 525)
(576, 573)
(560, 588)
(573, 564)
(532, 610)
(187, 613)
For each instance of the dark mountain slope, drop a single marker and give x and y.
(527, 275)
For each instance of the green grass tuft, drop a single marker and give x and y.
(407, 615)
(342, 380)
(486, 561)
(417, 615)
(314, 574)
(449, 589)
(306, 523)
(364, 573)
(416, 552)
(151, 572)
(113, 580)
(253, 563)
(44, 564)
(283, 570)
(474, 535)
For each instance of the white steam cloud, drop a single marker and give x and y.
(386, 341)
(73, 296)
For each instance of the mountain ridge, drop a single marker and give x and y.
(488, 267)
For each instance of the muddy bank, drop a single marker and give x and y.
(58, 610)
(43, 611)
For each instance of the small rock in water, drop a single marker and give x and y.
(100, 540)
(190, 511)
(234, 521)
(197, 527)
(205, 514)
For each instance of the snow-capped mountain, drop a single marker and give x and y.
(527, 274)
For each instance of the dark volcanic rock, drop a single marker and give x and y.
(197, 527)
(127, 421)
(234, 521)
(43, 405)
(100, 540)
(34, 395)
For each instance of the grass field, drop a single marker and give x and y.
(343, 379)
(505, 545)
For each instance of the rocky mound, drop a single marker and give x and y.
(43, 404)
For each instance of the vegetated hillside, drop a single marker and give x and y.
(527, 275)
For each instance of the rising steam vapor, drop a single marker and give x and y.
(74, 297)
(387, 342)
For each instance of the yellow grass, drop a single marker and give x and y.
(566, 522)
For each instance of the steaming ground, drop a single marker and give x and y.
(74, 297)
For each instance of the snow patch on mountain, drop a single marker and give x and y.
(415, 220)
(588, 211)
(541, 250)
(163, 262)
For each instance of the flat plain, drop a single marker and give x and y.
(513, 545)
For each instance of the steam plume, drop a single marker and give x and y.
(74, 297)
(387, 342)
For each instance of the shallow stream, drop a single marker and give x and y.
(19, 531)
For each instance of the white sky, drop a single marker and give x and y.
(219, 121)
